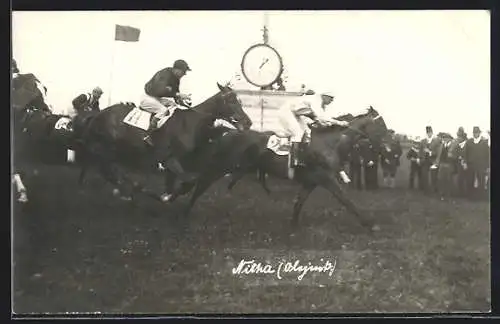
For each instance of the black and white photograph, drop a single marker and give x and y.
(250, 162)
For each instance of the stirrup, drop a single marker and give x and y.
(148, 140)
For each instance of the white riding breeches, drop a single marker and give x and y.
(294, 126)
(158, 107)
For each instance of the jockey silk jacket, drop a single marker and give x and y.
(83, 103)
(157, 86)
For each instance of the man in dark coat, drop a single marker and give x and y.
(413, 155)
(460, 172)
(355, 161)
(390, 158)
(477, 159)
(370, 157)
(429, 148)
(445, 162)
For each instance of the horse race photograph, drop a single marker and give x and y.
(250, 162)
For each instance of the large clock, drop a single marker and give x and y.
(261, 65)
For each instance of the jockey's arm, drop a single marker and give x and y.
(318, 117)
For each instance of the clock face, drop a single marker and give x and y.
(261, 65)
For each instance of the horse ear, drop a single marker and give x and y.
(221, 88)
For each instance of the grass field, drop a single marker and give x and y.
(82, 250)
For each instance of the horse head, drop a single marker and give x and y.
(230, 108)
(28, 98)
(370, 125)
(28, 93)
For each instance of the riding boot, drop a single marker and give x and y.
(149, 132)
(175, 166)
(294, 151)
(302, 147)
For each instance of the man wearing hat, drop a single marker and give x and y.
(413, 156)
(390, 158)
(458, 151)
(429, 148)
(295, 119)
(88, 102)
(477, 159)
(162, 95)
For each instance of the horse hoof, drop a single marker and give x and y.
(375, 228)
(166, 197)
(116, 192)
(126, 198)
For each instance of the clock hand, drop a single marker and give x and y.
(265, 61)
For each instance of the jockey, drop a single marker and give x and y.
(87, 102)
(294, 119)
(162, 94)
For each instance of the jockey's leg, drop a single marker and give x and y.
(173, 164)
(295, 127)
(155, 107)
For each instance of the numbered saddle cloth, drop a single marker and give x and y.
(279, 145)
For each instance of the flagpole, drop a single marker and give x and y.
(113, 52)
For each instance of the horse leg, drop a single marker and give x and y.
(83, 173)
(202, 184)
(332, 185)
(20, 188)
(170, 180)
(108, 170)
(262, 178)
(236, 176)
(300, 199)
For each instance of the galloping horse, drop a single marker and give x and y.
(110, 142)
(243, 152)
(36, 131)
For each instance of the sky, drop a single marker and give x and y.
(416, 68)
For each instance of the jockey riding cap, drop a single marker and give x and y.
(328, 94)
(181, 65)
(97, 90)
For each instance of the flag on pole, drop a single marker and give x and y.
(127, 33)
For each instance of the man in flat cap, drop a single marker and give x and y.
(477, 159)
(162, 95)
(88, 102)
(429, 148)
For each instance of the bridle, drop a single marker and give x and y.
(232, 118)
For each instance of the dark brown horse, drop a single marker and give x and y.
(110, 143)
(38, 134)
(242, 152)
